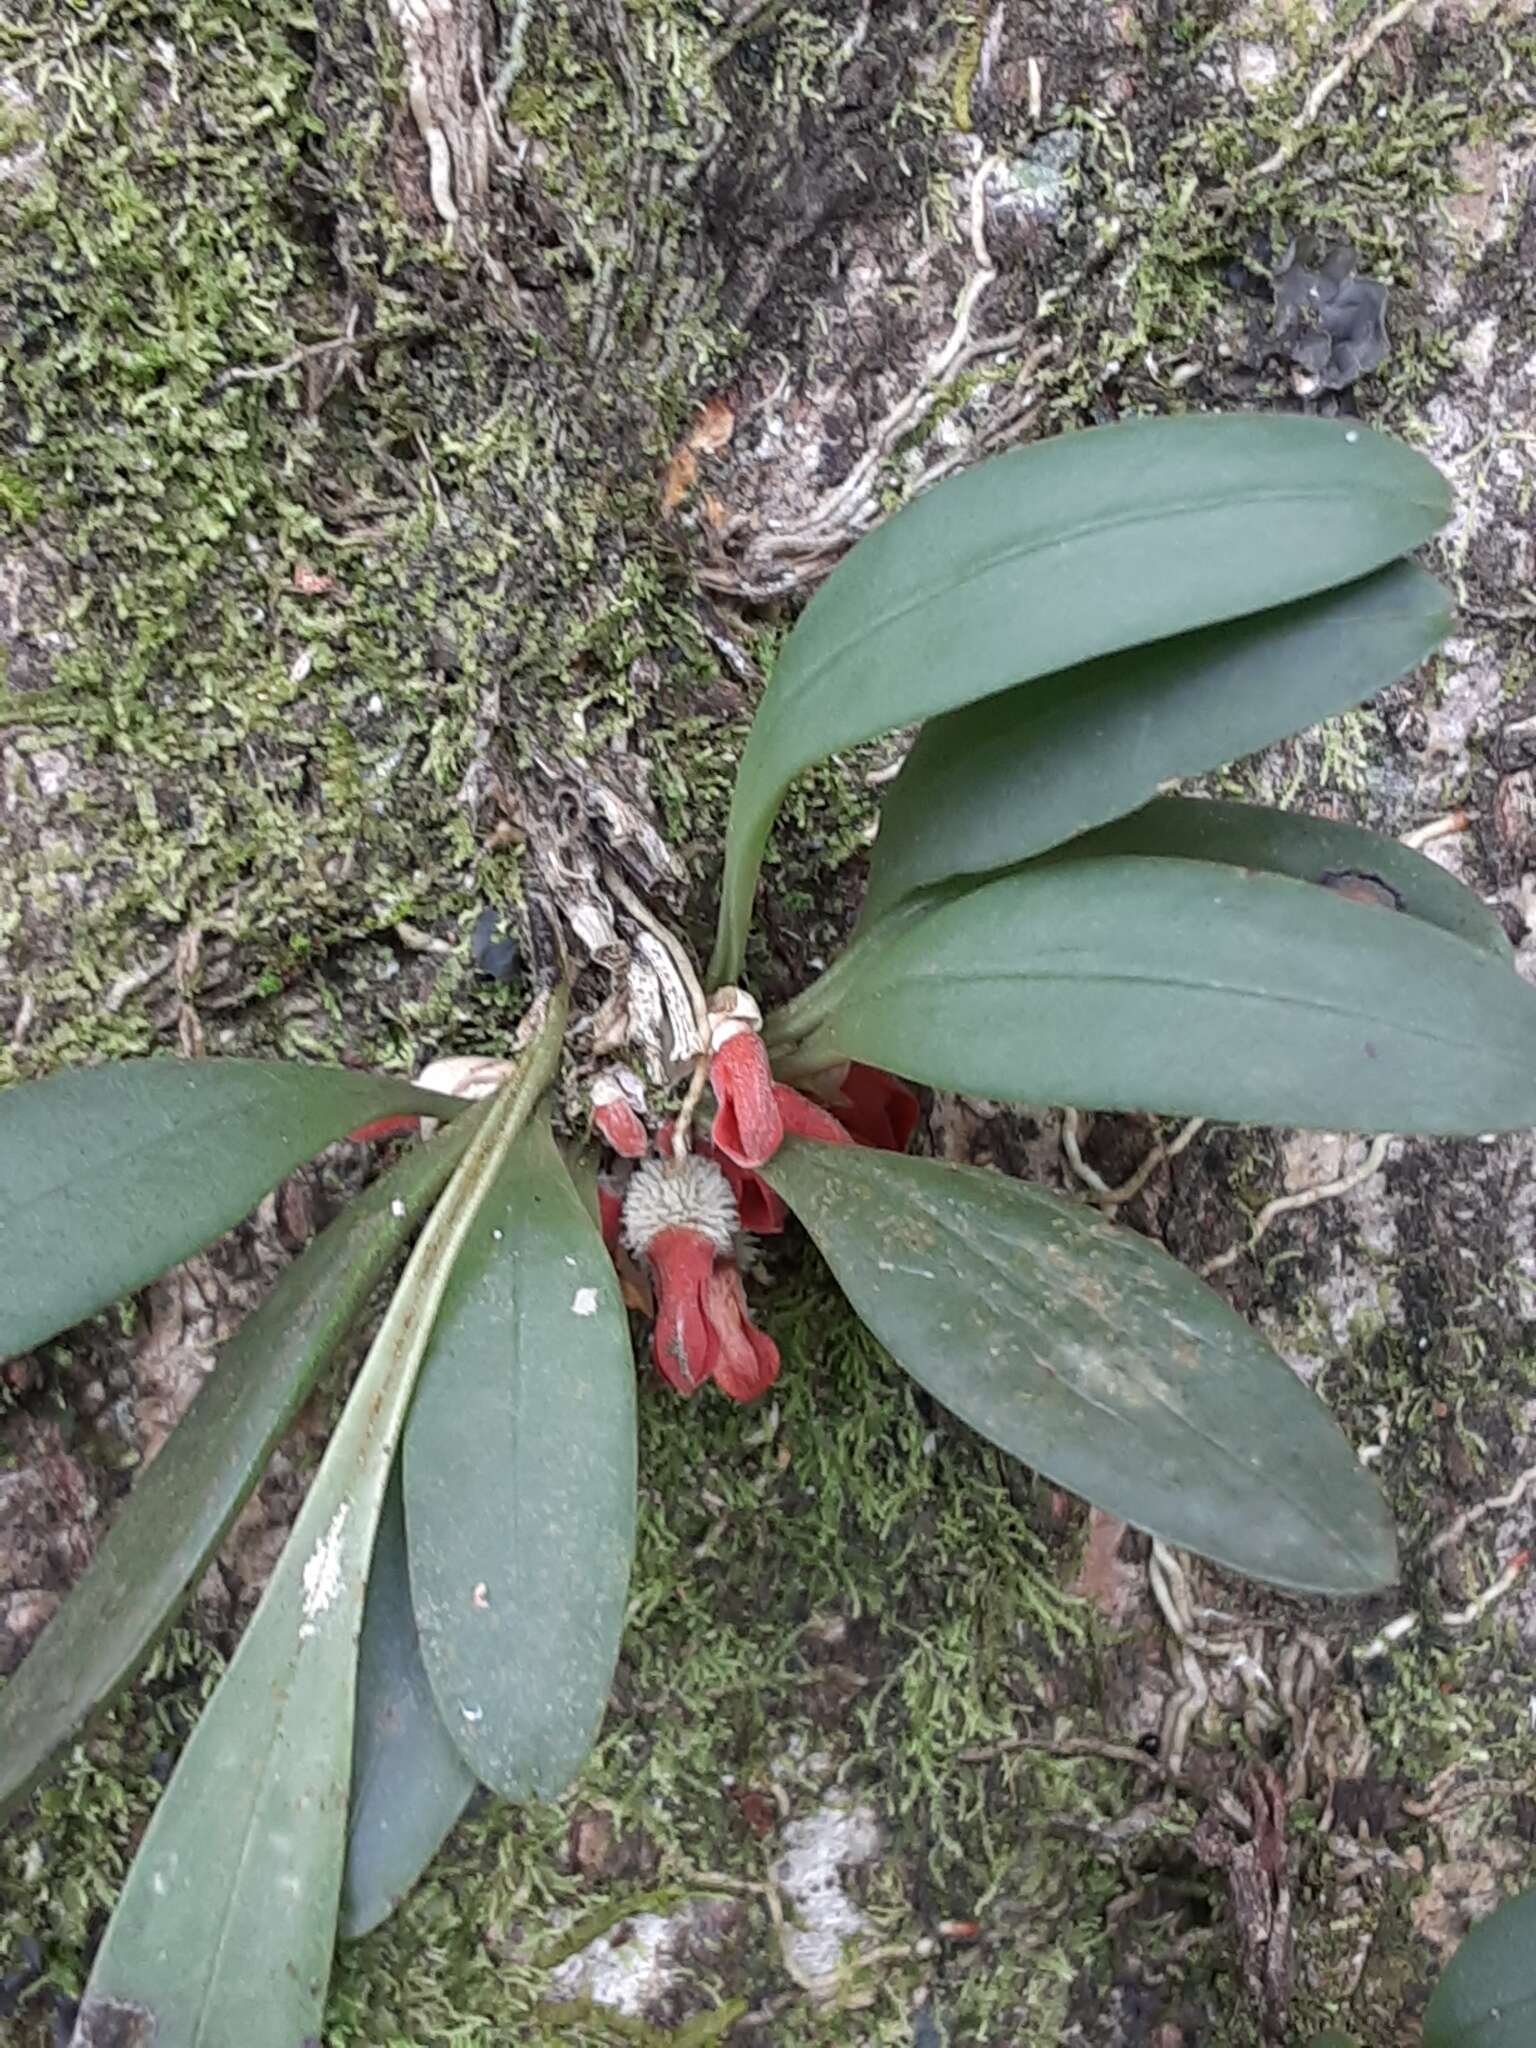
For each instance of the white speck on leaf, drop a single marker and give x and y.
(397, 1208)
(322, 1568)
(584, 1302)
(496, 1234)
(473, 1713)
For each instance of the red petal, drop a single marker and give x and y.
(877, 1109)
(623, 1129)
(747, 1126)
(760, 1209)
(746, 1362)
(803, 1118)
(761, 1212)
(385, 1127)
(683, 1343)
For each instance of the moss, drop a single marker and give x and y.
(284, 766)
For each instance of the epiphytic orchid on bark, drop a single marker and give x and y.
(1072, 627)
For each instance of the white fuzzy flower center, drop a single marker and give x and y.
(686, 1194)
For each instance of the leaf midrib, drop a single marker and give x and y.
(982, 565)
(226, 1919)
(930, 971)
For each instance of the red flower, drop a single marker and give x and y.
(875, 1108)
(683, 1342)
(385, 1127)
(617, 1101)
(680, 1219)
(761, 1212)
(747, 1128)
(746, 1363)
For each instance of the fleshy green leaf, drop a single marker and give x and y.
(409, 1783)
(1186, 987)
(998, 782)
(1091, 1355)
(1053, 555)
(520, 1483)
(176, 1515)
(1341, 857)
(1487, 1997)
(110, 1174)
(226, 1923)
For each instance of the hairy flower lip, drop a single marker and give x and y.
(690, 1193)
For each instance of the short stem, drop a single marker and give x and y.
(787, 1028)
(807, 1058)
(682, 1124)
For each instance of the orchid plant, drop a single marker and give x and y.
(1072, 628)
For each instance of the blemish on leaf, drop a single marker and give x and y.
(111, 2023)
(322, 1568)
(584, 1302)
